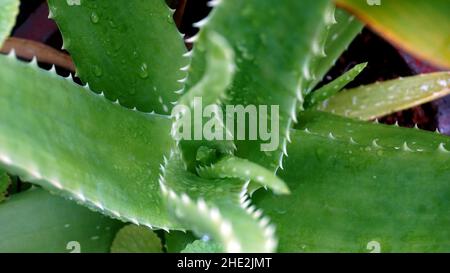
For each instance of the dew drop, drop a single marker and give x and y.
(169, 19)
(94, 17)
(143, 71)
(112, 24)
(98, 71)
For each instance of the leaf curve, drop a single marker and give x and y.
(82, 145)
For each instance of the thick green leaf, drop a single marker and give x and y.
(379, 99)
(62, 136)
(372, 185)
(333, 87)
(200, 246)
(419, 26)
(8, 13)
(36, 221)
(216, 208)
(136, 239)
(339, 37)
(131, 50)
(273, 63)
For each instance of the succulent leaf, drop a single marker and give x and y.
(76, 143)
(211, 89)
(36, 221)
(273, 64)
(339, 37)
(131, 50)
(371, 184)
(333, 87)
(417, 26)
(10, 9)
(379, 99)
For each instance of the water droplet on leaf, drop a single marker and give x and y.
(98, 71)
(143, 71)
(94, 17)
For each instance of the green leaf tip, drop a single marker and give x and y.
(332, 88)
(37, 221)
(233, 167)
(379, 99)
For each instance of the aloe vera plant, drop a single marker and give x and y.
(332, 183)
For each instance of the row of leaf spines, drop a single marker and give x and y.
(34, 175)
(66, 46)
(374, 143)
(318, 46)
(317, 50)
(263, 221)
(70, 78)
(183, 69)
(317, 80)
(190, 55)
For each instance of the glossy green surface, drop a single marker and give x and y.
(131, 50)
(78, 144)
(382, 98)
(36, 221)
(419, 26)
(8, 13)
(371, 185)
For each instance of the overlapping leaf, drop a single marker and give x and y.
(131, 50)
(376, 100)
(76, 143)
(333, 87)
(339, 37)
(419, 26)
(273, 64)
(36, 221)
(372, 186)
